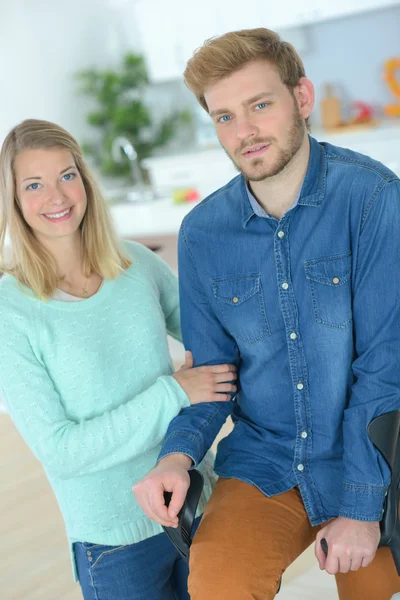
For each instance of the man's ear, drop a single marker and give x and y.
(305, 96)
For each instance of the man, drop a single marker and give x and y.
(290, 271)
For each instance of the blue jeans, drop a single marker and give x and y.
(148, 570)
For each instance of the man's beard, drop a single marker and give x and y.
(259, 168)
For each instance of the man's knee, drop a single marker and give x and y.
(214, 576)
(240, 549)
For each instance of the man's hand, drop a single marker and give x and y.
(170, 475)
(351, 545)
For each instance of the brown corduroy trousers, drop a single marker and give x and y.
(246, 541)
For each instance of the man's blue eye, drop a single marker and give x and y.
(261, 105)
(224, 119)
(68, 176)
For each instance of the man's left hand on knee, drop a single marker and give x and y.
(351, 545)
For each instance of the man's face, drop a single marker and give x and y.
(257, 119)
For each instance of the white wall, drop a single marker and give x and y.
(42, 44)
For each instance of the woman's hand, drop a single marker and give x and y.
(206, 384)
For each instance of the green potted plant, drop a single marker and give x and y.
(121, 111)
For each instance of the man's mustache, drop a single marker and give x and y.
(253, 142)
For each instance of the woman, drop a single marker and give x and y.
(84, 365)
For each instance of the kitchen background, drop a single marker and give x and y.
(346, 46)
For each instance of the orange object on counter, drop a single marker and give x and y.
(392, 77)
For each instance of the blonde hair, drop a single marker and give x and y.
(31, 264)
(221, 56)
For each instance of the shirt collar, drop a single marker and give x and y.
(258, 209)
(312, 190)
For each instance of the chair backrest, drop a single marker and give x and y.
(384, 432)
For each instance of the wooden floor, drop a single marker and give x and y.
(34, 558)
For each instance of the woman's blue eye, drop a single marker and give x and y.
(224, 119)
(68, 176)
(33, 186)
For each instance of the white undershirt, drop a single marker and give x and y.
(65, 297)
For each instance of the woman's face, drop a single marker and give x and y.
(51, 193)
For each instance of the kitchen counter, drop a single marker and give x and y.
(208, 170)
(158, 217)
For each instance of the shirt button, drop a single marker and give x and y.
(235, 300)
(281, 234)
(293, 336)
(304, 434)
(336, 280)
(285, 285)
(300, 467)
(300, 385)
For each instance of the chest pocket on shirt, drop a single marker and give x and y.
(241, 304)
(330, 284)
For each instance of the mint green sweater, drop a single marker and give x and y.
(89, 386)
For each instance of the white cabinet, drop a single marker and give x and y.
(292, 13)
(263, 13)
(171, 30)
(327, 9)
(158, 26)
(201, 23)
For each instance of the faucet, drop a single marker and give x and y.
(122, 144)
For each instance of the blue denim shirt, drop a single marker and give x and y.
(308, 308)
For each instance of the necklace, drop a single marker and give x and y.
(85, 292)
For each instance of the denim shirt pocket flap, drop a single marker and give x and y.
(236, 290)
(334, 271)
(240, 302)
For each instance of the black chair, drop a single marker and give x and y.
(181, 537)
(384, 433)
